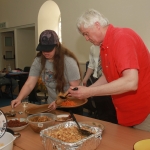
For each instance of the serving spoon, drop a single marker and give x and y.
(82, 131)
(65, 95)
(62, 98)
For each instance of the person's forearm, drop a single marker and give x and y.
(119, 86)
(75, 82)
(88, 73)
(102, 80)
(25, 91)
(27, 87)
(112, 88)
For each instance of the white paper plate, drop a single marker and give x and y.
(18, 128)
(63, 117)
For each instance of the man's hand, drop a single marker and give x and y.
(82, 92)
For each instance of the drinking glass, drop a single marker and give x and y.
(24, 104)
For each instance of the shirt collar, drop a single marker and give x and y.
(105, 42)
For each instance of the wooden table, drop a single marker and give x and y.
(114, 137)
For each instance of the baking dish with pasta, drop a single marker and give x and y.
(65, 136)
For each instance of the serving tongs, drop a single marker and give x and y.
(82, 131)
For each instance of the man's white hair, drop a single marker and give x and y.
(88, 18)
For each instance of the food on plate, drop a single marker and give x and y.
(69, 134)
(63, 117)
(59, 101)
(16, 123)
(68, 103)
(40, 119)
(94, 124)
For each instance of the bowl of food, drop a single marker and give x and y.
(94, 124)
(17, 124)
(6, 142)
(41, 121)
(63, 117)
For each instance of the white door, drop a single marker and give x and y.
(8, 50)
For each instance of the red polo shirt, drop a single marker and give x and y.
(123, 49)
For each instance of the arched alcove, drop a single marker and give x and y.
(49, 17)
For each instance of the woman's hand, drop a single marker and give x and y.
(15, 103)
(52, 106)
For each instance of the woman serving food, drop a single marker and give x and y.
(57, 66)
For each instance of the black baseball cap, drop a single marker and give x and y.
(47, 41)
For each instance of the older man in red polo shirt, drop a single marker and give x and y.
(126, 67)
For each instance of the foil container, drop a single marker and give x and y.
(88, 143)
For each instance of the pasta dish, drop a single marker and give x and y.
(69, 134)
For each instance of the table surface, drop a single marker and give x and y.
(114, 137)
(17, 73)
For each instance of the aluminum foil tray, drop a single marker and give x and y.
(88, 143)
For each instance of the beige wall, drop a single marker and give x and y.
(25, 47)
(124, 13)
(19, 12)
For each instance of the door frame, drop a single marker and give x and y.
(14, 30)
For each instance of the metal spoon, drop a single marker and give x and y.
(65, 95)
(82, 131)
(12, 111)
